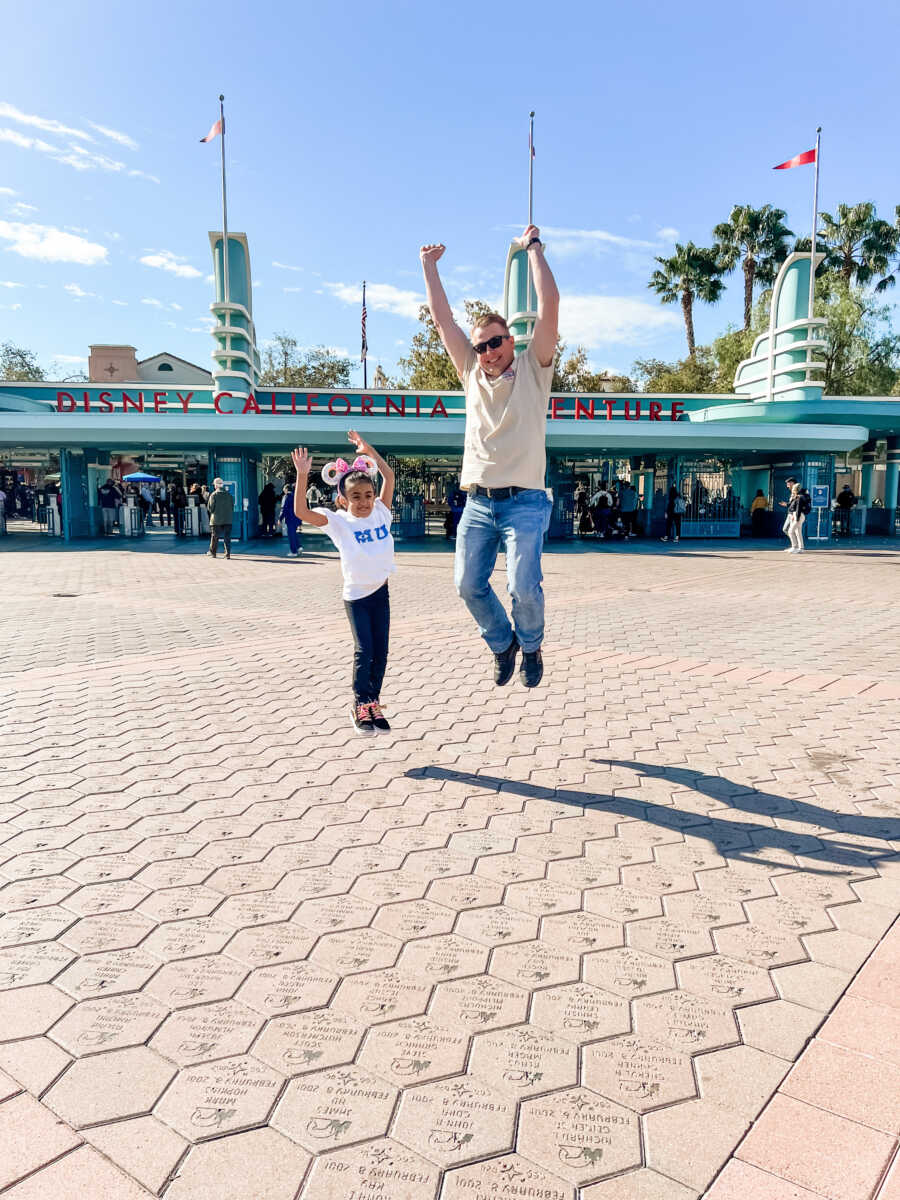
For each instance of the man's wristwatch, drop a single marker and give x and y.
(535, 241)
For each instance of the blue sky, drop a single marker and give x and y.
(358, 131)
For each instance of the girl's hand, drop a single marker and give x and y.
(302, 460)
(362, 446)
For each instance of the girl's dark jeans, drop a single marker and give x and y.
(370, 620)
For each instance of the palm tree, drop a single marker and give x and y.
(692, 273)
(758, 236)
(890, 280)
(860, 245)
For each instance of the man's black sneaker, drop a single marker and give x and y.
(531, 671)
(505, 663)
(362, 722)
(379, 720)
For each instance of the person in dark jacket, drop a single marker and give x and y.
(292, 523)
(268, 502)
(845, 501)
(220, 507)
(179, 506)
(675, 506)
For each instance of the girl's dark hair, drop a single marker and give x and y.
(355, 477)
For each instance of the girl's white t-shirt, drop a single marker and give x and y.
(366, 548)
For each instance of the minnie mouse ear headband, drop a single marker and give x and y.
(334, 473)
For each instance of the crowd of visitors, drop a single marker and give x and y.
(610, 512)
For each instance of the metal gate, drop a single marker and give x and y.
(408, 507)
(713, 511)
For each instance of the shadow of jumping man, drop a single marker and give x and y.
(846, 845)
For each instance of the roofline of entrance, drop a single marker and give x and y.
(278, 434)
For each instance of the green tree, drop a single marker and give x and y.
(428, 366)
(18, 365)
(859, 245)
(757, 238)
(574, 374)
(862, 351)
(692, 273)
(284, 365)
(696, 373)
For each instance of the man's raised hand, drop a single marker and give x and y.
(431, 253)
(302, 460)
(531, 232)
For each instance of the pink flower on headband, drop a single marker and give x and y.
(334, 472)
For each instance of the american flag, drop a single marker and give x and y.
(365, 344)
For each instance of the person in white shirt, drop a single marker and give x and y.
(361, 530)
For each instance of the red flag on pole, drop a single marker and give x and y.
(214, 132)
(808, 156)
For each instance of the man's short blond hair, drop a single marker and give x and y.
(491, 318)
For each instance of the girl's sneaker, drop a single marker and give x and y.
(379, 720)
(362, 722)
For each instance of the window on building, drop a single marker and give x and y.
(165, 367)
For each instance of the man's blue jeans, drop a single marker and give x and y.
(516, 525)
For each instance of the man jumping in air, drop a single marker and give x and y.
(504, 463)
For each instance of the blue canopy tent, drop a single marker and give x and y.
(141, 477)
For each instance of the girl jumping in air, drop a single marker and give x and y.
(361, 530)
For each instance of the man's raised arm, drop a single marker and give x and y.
(546, 327)
(455, 341)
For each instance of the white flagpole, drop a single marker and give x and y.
(815, 222)
(224, 207)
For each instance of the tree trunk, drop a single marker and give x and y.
(749, 277)
(687, 307)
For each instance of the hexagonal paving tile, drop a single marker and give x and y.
(506, 1176)
(310, 1041)
(615, 852)
(107, 1087)
(384, 995)
(332, 913)
(43, 924)
(373, 1170)
(258, 1164)
(579, 1135)
(542, 897)
(414, 919)
(188, 939)
(415, 1050)
(257, 908)
(179, 903)
(580, 1013)
(524, 1061)
(762, 945)
(498, 925)
(685, 1021)
(360, 860)
(638, 1073)
(33, 893)
(314, 881)
(117, 931)
(174, 874)
(480, 1002)
(669, 939)
(333, 1108)
(696, 908)
(789, 915)
(628, 972)
(219, 1097)
(582, 873)
(468, 892)
(209, 1031)
(621, 903)
(292, 987)
(732, 883)
(726, 979)
(97, 898)
(108, 974)
(689, 856)
(266, 945)
(357, 950)
(815, 889)
(109, 1024)
(455, 1121)
(245, 877)
(581, 932)
(447, 956)
(197, 980)
(22, 966)
(534, 965)
(476, 842)
(549, 846)
(385, 887)
(657, 879)
(509, 868)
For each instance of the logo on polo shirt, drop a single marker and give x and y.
(365, 535)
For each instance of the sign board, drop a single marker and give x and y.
(821, 495)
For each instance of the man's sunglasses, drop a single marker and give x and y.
(491, 344)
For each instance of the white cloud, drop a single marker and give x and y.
(48, 125)
(77, 229)
(121, 303)
(165, 260)
(292, 289)
(145, 175)
(565, 241)
(74, 290)
(5, 191)
(195, 329)
(70, 358)
(48, 244)
(159, 304)
(11, 307)
(72, 156)
(257, 283)
(115, 136)
(380, 297)
(8, 283)
(593, 321)
(177, 307)
(21, 209)
(668, 234)
(286, 267)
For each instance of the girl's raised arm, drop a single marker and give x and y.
(387, 475)
(302, 461)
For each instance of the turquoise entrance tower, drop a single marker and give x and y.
(236, 357)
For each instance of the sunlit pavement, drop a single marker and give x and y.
(615, 938)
